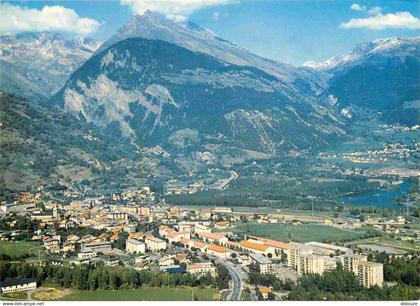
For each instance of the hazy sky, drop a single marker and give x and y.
(291, 31)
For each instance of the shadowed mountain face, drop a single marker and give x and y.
(382, 76)
(36, 65)
(181, 99)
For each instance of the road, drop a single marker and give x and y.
(237, 283)
(233, 176)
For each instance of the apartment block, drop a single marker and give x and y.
(370, 273)
(135, 246)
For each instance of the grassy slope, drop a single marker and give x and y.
(144, 294)
(19, 248)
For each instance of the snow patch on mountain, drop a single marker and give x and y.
(396, 46)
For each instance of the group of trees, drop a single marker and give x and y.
(223, 277)
(401, 270)
(90, 277)
(267, 280)
(339, 284)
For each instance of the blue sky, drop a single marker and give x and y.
(291, 31)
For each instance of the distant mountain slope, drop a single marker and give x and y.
(382, 76)
(193, 37)
(41, 146)
(12, 80)
(184, 100)
(37, 65)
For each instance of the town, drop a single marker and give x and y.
(135, 231)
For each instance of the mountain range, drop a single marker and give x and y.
(381, 76)
(36, 65)
(196, 102)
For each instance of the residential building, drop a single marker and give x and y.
(18, 285)
(201, 268)
(213, 237)
(264, 264)
(196, 244)
(118, 216)
(370, 273)
(278, 246)
(310, 264)
(218, 251)
(327, 249)
(244, 260)
(351, 262)
(134, 246)
(52, 244)
(177, 236)
(155, 244)
(257, 247)
(330, 263)
(296, 250)
(265, 291)
(200, 228)
(97, 247)
(222, 224)
(86, 255)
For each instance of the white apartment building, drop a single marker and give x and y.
(134, 246)
(18, 285)
(351, 262)
(201, 268)
(155, 244)
(370, 273)
(310, 264)
(264, 264)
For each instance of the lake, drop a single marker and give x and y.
(380, 198)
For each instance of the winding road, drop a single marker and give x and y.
(236, 293)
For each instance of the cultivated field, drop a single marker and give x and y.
(301, 233)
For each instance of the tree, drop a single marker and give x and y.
(122, 238)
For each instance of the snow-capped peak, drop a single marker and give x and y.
(395, 46)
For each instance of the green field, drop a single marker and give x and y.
(14, 296)
(16, 249)
(145, 294)
(301, 233)
(390, 242)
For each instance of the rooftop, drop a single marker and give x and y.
(134, 241)
(199, 265)
(217, 248)
(260, 258)
(213, 236)
(254, 245)
(18, 282)
(265, 290)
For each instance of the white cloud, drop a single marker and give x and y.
(357, 7)
(49, 18)
(177, 10)
(375, 10)
(399, 20)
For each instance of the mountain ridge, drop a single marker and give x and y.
(38, 64)
(152, 25)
